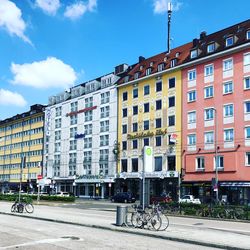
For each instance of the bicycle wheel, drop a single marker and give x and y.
(20, 208)
(13, 208)
(156, 222)
(137, 220)
(164, 222)
(29, 208)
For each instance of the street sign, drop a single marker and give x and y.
(39, 177)
(148, 159)
(173, 137)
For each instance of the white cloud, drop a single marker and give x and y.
(11, 19)
(11, 98)
(161, 6)
(49, 6)
(49, 73)
(78, 9)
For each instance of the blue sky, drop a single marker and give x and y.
(50, 45)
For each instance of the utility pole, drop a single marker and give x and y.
(22, 165)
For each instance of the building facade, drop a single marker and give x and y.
(149, 114)
(216, 121)
(21, 149)
(80, 136)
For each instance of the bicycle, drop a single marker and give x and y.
(19, 207)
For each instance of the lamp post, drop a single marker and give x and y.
(216, 153)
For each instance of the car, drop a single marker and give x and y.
(189, 199)
(65, 194)
(124, 197)
(160, 199)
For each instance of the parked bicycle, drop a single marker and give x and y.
(19, 207)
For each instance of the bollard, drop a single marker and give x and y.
(121, 212)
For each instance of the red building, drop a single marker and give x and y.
(216, 115)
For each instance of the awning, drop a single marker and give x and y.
(234, 184)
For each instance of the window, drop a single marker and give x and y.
(171, 101)
(125, 96)
(104, 140)
(73, 145)
(124, 129)
(124, 112)
(229, 41)
(158, 104)
(246, 59)
(124, 165)
(146, 107)
(191, 75)
(247, 83)
(158, 141)
(105, 97)
(228, 135)
(73, 132)
(200, 163)
(192, 139)
(73, 106)
(171, 120)
(135, 110)
(210, 47)
(209, 114)
(73, 119)
(136, 75)
(134, 164)
(58, 111)
(209, 92)
(173, 63)
(192, 117)
(134, 144)
(193, 53)
(158, 123)
(209, 70)
(228, 110)
(158, 163)
(220, 162)
(247, 133)
(247, 107)
(160, 67)
(158, 86)
(57, 147)
(171, 82)
(228, 87)
(104, 126)
(135, 127)
(146, 90)
(89, 102)
(227, 64)
(146, 141)
(135, 93)
(148, 71)
(192, 96)
(247, 159)
(88, 142)
(209, 137)
(146, 125)
(124, 145)
(58, 123)
(89, 115)
(248, 34)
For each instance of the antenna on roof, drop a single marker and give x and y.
(169, 21)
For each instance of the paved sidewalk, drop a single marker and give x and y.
(220, 234)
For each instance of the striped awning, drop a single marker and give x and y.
(234, 184)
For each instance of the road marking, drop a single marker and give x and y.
(38, 242)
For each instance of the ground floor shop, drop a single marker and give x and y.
(232, 192)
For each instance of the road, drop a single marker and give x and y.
(23, 233)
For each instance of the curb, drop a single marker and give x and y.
(125, 230)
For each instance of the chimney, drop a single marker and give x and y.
(141, 59)
(203, 35)
(195, 42)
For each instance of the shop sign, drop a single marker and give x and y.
(81, 111)
(79, 136)
(173, 137)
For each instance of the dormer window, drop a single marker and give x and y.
(136, 75)
(193, 53)
(126, 78)
(148, 71)
(210, 47)
(160, 67)
(151, 64)
(248, 35)
(141, 67)
(229, 41)
(173, 62)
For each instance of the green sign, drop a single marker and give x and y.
(149, 151)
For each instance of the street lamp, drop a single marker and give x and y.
(216, 153)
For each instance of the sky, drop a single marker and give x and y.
(48, 46)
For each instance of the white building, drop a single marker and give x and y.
(80, 138)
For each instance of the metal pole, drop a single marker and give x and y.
(169, 22)
(21, 175)
(216, 154)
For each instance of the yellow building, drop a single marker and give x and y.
(149, 114)
(21, 139)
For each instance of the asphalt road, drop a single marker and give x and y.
(26, 233)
